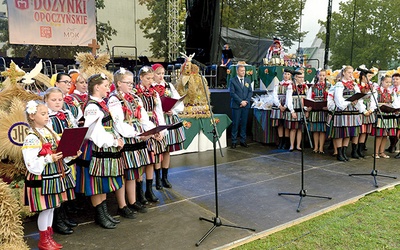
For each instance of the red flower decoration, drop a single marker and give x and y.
(266, 71)
(309, 71)
(46, 149)
(60, 115)
(69, 100)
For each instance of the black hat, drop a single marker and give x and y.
(365, 70)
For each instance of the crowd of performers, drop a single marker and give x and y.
(342, 121)
(116, 158)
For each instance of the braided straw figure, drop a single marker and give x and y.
(190, 84)
(90, 65)
(11, 229)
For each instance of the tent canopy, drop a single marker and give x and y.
(245, 47)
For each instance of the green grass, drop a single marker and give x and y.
(372, 222)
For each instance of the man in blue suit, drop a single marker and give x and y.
(241, 92)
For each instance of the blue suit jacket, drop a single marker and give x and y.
(240, 93)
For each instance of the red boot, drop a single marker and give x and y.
(50, 230)
(44, 241)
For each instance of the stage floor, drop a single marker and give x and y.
(249, 180)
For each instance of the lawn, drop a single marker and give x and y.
(373, 222)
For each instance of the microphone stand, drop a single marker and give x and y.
(216, 221)
(374, 172)
(304, 123)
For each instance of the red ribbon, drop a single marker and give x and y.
(69, 100)
(60, 115)
(104, 106)
(46, 149)
(137, 113)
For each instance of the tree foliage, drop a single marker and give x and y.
(104, 31)
(375, 39)
(155, 26)
(265, 18)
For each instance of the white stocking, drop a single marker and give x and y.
(43, 219)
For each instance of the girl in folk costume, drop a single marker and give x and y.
(174, 137)
(386, 124)
(330, 103)
(318, 118)
(278, 111)
(78, 91)
(130, 119)
(347, 118)
(369, 117)
(395, 89)
(295, 94)
(101, 169)
(48, 181)
(60, 119)
(157, 145)
(276, 53)
(63, 81)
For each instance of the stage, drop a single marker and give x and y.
(249, 181)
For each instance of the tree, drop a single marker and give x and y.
(372, 40)
(265, 18)
(155, 26)
(103, 30)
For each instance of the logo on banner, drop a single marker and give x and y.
(45, 31)
(17, 133)
(22, 4)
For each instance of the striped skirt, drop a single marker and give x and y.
(156, 148)
(91, 185)
(291, 123)
(175, 137)
(390, 121)
(106, 162)
(277, 117)
(318, 120)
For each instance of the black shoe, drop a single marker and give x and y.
(140, 193)
(243, 144)
(107, 215)
(397, 156)
(158, 179)
(126, 212)
(101, 218)
(339, 155)
(164, 179)
(139, 207)
(149, 191)
(344, 153)
(281, 144)
(360, 150)
(233, 145)
(354, 153)
(59, 225)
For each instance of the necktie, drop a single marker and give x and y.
(241, 81)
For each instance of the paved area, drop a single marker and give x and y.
(249, 180)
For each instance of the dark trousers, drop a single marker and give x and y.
(239, 118)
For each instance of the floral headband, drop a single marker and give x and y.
(97, 77)
(31, 107)
(122, 71)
